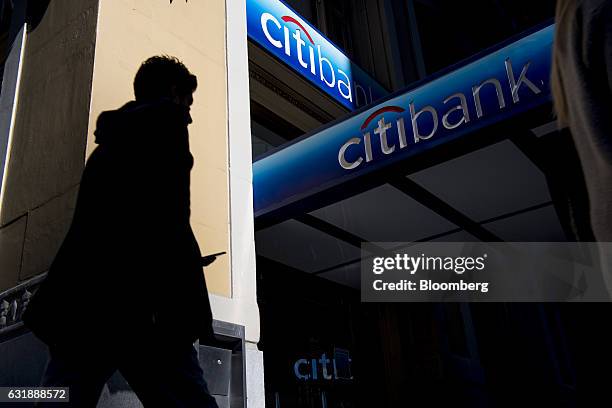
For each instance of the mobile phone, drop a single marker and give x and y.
(208, 259)
(215, 254)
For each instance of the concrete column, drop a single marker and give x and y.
(243, 304)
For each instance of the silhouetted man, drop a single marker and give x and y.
(126, 290)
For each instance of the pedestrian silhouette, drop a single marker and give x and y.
(126, 290)
(582, 90)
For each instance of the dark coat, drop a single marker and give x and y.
(585, 68)
(130, 264)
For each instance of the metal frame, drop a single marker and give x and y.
(232, 336)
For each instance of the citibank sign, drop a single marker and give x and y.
(498, 86)
(286, 35)
(424, 122)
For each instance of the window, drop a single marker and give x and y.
(6, 11)
(453, 30)
(337, 20)
(338, 24)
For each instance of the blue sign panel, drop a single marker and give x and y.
(498, 86)
(286, 35)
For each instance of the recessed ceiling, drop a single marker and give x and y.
(384, 214)
(487, 183)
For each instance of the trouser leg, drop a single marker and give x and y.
(169, 377)
(83, 375)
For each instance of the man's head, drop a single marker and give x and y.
(164, 77)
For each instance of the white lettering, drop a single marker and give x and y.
(415, 128)
(514, 85)
(498, 91)
(381, 131)
(465, 118)
(265, 18)
(299, 43)
(346, 83)
(322, 59)
(342, 160)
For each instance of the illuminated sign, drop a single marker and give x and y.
(286, 35)
(496, 87)
(313, 369)
(453, 110)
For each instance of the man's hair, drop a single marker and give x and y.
(157, 75)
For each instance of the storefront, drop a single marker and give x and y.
(454, 146)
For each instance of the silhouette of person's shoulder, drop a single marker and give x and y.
(138, 123)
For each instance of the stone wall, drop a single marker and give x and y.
(47, 151)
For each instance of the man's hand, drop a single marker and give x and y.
(208, 259)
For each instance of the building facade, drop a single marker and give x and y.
(463, 148)
(318, 125)
(66, 62)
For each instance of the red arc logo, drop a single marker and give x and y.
(289, 19)
(378, 112)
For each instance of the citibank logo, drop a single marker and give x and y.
(337, 368)
(286, 35)
(424, 123)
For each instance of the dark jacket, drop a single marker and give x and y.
(130, 264)
(585, 67)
